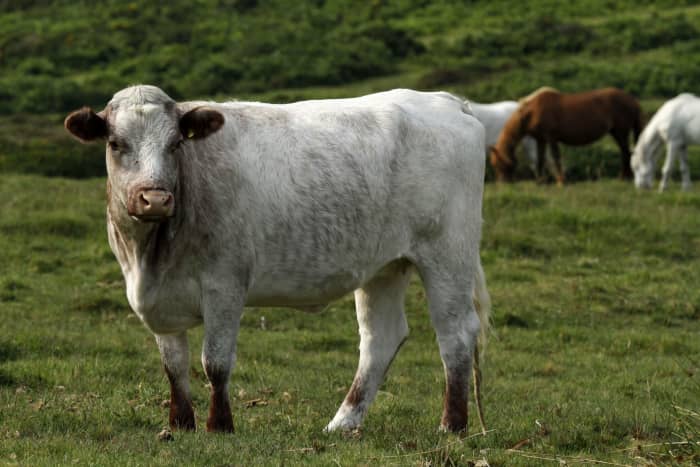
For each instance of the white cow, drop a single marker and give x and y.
(676, 124)
(213, 207)
(494, 116)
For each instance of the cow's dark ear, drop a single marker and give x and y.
(86, 125)
(200, 122)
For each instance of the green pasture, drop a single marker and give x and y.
(595, 353)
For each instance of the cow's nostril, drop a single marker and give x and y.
(152, 204)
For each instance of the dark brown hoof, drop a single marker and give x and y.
(184, 424)
(220, 425)
(220, 419)
(182, 418)
(453, 429)
(454, 423)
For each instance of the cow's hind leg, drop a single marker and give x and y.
(456, 323)
(175, 356)
(383, 327)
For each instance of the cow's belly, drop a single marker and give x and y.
(302, 290)
(313, 289)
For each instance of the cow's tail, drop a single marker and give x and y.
(482, 303)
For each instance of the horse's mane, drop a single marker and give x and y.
(649, 140)
(535, 93)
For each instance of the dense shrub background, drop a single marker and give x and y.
(58, 55)
(196, 48)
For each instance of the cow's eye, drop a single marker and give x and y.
(176, 145)
(114, 146)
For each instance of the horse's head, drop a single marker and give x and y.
(503, 164)
(642, 164)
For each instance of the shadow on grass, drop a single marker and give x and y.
(9, 351)
(8, 379)
(61, 226)
(326, 344)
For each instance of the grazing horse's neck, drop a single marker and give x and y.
(649, 140)
(511, 134)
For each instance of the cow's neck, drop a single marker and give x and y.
(139, 245)
(148, 249)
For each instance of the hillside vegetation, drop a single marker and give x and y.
(56, 56)
(60, 55)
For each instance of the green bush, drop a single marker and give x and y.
(244, 47)
(631, 35)
(544, 35)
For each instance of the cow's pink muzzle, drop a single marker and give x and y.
(151, 205)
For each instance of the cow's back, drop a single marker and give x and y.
(330, 191)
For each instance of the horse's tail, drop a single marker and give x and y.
(482, 303)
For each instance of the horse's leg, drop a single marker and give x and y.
(383, 327)
(530, 147)
(685, 168)
(672, 150)
(622, 139)
(541, 159)
(556, 156)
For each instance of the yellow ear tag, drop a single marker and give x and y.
(190, 133)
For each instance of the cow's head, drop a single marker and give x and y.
(144, 130)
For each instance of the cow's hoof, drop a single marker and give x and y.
(452, 429)
(220, 425)
(342, 424)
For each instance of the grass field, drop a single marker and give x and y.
(595, 356)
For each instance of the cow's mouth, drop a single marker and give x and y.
(150, 218)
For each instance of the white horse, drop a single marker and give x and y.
(677, 124)
(494, 116)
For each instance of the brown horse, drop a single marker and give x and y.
(551, 117)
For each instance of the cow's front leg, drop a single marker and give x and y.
(221, 324)
(174, 353)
